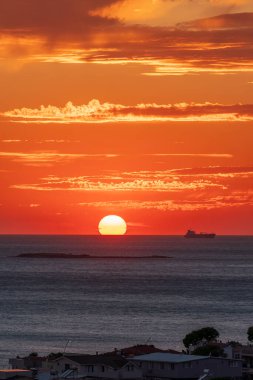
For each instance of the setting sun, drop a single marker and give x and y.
(112, 225)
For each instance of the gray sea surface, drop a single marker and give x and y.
(99, 304)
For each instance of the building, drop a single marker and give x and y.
(27, 362)
(244, 353)
(95, 366)
(139, 349)
(181, 366)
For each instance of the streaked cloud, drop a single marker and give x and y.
(174, 180)
(184, 189)
(211, 155)
(39, 141)
(243, 199)
(215, 171)
(210, 172)
(42, 158)
(92, 31)
(98, 112)
(52, 183)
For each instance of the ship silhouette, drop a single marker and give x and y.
(193, 234)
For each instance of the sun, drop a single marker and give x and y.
(112, 225)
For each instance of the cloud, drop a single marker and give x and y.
(236, 200)
(79, 31)
(45, 158)
(162, 181)
(169, 12)
(40, 158)
(185, 189)
(133, 182)
(97, 112)
(221, 175)
(37, 141)
(243, 20)
(211, 155)
(215, 171)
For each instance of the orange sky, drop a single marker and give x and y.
(140, 108)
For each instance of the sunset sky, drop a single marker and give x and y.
(139, 108)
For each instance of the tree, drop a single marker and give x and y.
(234, 343)
(207, 334)
(209, 350)
(33, 354)
(250, 333)
(54, 355)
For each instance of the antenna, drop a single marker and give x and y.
(66, 345)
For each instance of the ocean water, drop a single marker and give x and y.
(100, 304)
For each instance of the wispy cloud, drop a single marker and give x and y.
(81, 184)
(243, 199)
(39, 141)
(184, 189)
(172, 180)
(98, 112)
(41, 158)
(210, 172)
(85, 33)
(211, 155)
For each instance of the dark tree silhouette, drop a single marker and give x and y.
(250, 333)
(206, 333)
(209, 350)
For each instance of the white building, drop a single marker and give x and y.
(181, 366)
(95, 366)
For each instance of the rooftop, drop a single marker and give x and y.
(169, 358)
(112, 361)
(141, 349)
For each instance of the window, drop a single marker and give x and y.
(90, 368)
(233, 363)
(103, 368)
(172, 366)
(161, 365)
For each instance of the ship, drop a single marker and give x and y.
(193, 234)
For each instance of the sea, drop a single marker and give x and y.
(154, 290)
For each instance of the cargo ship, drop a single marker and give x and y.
(193, 234)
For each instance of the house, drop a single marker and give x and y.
(102, 366)
(182, 366)
(142, 349)
(27, 362)
(243, 352)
